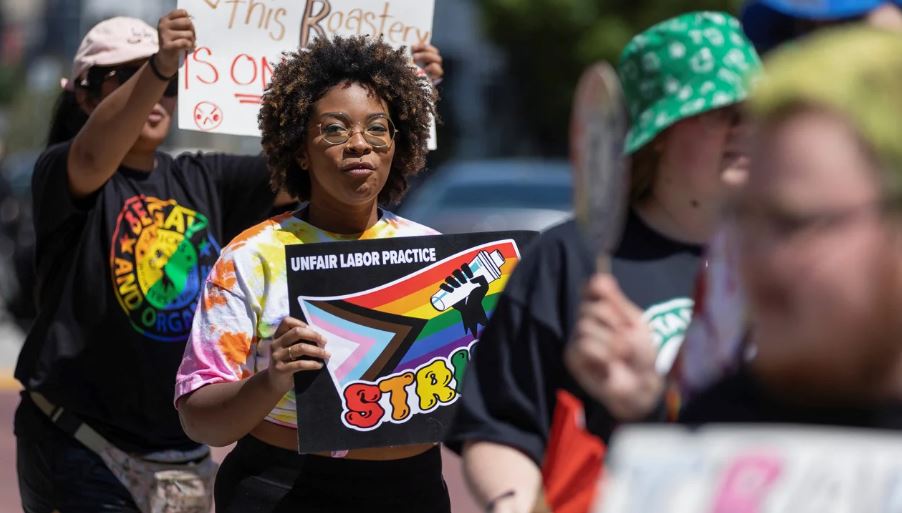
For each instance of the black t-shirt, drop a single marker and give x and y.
(741, 398)
(118, 278)
(517, 368)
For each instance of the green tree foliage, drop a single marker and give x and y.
(10, 81)
(549, 42)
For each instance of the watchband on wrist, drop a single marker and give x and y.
(490, 507)
(156, 71)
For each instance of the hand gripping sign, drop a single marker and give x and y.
(400, 317)
(239, 43)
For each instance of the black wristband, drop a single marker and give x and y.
(156, 71)
(490, 507)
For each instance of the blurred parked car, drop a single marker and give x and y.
(488, 195)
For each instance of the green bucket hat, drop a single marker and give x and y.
(683, 67)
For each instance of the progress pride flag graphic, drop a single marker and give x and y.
(400, 317)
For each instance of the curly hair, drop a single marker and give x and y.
(304, 77)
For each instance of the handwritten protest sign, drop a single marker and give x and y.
(239, 42)
(752, 470)
(398, 329)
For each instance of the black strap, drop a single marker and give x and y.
(156, 71)
(490, 507)
(70, 423)
(60, 416)
(67, 421)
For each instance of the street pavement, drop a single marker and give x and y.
(9, 489)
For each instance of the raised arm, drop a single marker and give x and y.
(429, 59)
(116, 121)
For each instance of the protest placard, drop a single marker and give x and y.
(239, 42)
(751, 469)
(400, 317)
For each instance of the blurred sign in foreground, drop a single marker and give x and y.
(752, 470)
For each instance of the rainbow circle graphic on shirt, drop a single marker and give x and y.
(160, 255)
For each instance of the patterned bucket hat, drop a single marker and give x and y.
(683, 67)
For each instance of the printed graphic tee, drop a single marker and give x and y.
(246, 298)
(517, 367)
(119, 275)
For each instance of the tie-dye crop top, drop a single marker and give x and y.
(246, 297)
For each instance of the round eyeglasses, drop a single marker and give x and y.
(379, 133)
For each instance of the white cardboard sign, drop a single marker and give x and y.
(752, 470)
(239, 42)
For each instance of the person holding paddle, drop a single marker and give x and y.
(125, 237)
(682, 80)
(345, 125)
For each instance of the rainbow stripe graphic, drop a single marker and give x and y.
(394, 327)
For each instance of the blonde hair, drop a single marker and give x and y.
(855, 73)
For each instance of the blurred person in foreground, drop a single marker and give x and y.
(819, 229)
(686, 142)
(716, 342)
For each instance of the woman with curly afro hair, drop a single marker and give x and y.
(344, 126)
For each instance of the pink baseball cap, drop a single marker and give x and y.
(113, 41)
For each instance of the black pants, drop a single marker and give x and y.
(259, 478)
(58, 473)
